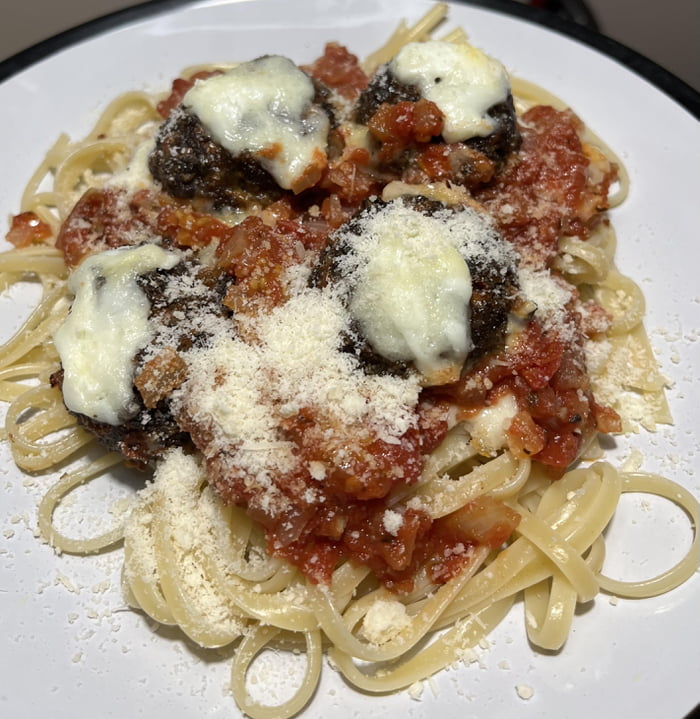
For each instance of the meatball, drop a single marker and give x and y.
(189, 164)
(385, 88)
(182, 322)
(140, 439)
(494, 288)
(240, 138)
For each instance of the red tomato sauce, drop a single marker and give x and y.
(339, 70)
(27, 229)
(100, 220)
(548, 378)
(353, 524)
(403, 125)
(542, 193)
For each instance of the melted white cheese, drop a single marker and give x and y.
(413, 289)
(108, 324)
(265, 107)
(488, 427)
(460, 79)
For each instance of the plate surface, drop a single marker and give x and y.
(67, 642)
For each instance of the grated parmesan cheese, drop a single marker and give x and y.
(524, 691)
(242, 392)
(392, 521)
(385, 619)
(551, 295)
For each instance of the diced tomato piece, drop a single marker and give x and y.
(485, 521)
(340, 70)
(27, 229)
(179, 89)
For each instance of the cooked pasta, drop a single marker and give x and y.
(509, 511)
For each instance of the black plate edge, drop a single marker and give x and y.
(658, 76)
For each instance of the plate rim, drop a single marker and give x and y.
(664, 80)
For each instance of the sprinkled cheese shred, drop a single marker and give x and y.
(384, 620)
(242, 392)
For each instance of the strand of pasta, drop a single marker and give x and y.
(549, 611)
(345, 582)
(549, 597)
(236, 533)
(112, 151)
(47, 416)
(251, 645)
(58, 491)
(448, 648)
(177, 549)
(420, 30)
(140, 569)
(444, 495)
(39, 327)
(578, 520)
(129, 111)
(331, 621)
(681, 571)
(273, 606)
(32, 200)
(550, 606)
(11, 385)
(587, 261)
(36, 259)
(279, 580)
(32, 447)
(560, 553)
(623, 298)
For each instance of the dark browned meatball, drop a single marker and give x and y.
(185, 303)
(385, 88)
(494, 289)
(188, 164)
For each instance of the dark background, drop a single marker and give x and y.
(666, 31)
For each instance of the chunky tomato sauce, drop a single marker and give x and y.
(545, 191)
(27, 229)
(339, 70)
(540, 193)
(353, 522)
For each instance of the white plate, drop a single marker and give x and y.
(67, 643)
